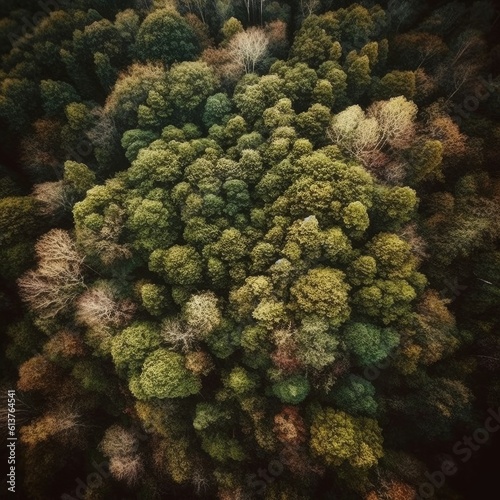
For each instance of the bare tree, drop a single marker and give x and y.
(201, 317)
(375, 137)
(128, 468)
(121, 446)
(202, 313)
(248, 48)
(196, 7)
(119, 442)
(309, 7)
(178, 334)
(356, 134)
(200, 481)
(53, 197)
(459, 79)
(99, 306)
(396, 120)
(58, 280)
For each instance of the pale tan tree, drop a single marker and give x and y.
(396, 121)
(99, 306)
(248, 48)
(202, 313)
(128, 469)
(119, 442)
(121, 446)
(372, 137)
(179, 335)
(309, 7)
(354, 133)
(53, 198)
(53, 286)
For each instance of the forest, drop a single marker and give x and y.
(249, 249)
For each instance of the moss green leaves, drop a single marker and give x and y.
(164, 375)
(166, 36)
(323, 291)
(368, 343)
(338, 438)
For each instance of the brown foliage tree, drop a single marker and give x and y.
(38, 374)
(61, 424)
(289, 426)
(285, 357)
(64, 344)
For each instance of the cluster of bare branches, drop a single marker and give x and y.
(309, 7)
(53, 197)
(179, 335)
(202, 317)
(99, 306)
(197, 7)
(248, 48)
(58, 279)
(374, 137)
(121, 446)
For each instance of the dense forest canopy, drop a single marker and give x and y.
(249, 249)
